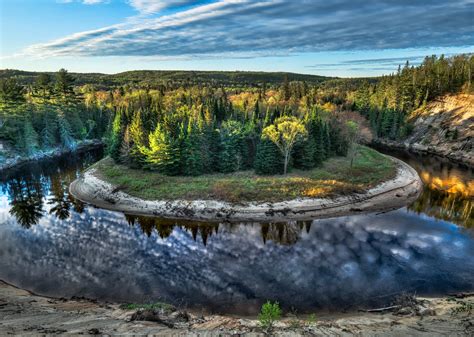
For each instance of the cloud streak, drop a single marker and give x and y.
(243, 28)
(154, 6)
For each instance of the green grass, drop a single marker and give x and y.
(335, 177)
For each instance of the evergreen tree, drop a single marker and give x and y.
(64, 130)
(230, 155)
(30, 138)
(192, 152)
(164, 153)
(117, 135)
(304, 154)
(63, 85)
(49, 131)
(137, 139)
(11, 92)
(125, 157)
(43, 86)
(268, 159)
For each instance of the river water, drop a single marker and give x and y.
(54, 245)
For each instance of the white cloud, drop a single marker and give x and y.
(244, 28)
(154, 6)
(85, 2)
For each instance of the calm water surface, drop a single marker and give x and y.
(54, 245)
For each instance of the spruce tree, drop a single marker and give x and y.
(230, 155)
(64, 130)
(63, 85)
(30, 138)
(268, 159)
(49, 131)
(164, 153)
(192, 151)
(116, 137)
(137, 139)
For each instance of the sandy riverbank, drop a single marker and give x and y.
(392, 194)
(27, 314)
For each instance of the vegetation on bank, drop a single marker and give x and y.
(193, 123)
(388, 102)
(334, 177)
(46, 115)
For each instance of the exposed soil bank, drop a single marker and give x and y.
(26, 314)
(17, 161)
(392, 194)
(444, 127)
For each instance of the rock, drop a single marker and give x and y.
(426, 312)
(93, 331)
(404, 311)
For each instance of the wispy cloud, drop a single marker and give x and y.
(382, 64)
(230, 28)
(85, 2)
(154, 6)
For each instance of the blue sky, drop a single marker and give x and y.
(336, 38)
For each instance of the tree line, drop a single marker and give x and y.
(191, 128)
(388, 102)
(47, 114)
(206, 130)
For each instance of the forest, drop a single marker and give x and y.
(387, 102)
(193, 123)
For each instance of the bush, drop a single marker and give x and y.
(269, 313)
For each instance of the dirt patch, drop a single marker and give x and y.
(23, 313)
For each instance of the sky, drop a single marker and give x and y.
(346, 38)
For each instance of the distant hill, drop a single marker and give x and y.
(156, 77)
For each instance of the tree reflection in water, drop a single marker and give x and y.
(448, 195)
(284, 233)
(37, 186)
(26, 201)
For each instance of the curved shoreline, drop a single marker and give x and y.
(18, 162)
(393, 194)
(26, 313)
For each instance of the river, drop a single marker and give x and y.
(55, 245)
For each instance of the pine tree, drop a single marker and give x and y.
(63, 85)
(125, 148)
(268, 159)
(164, 153)
(64, 130)
(137, 139)
(43, 86)
(192, 152)
(30, 138)
(116, 137)
(49, 131)
(230, 155)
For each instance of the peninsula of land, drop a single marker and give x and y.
(375, 183)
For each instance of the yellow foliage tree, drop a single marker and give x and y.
(284, 133)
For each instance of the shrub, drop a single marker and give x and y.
(270, 313)
(312, 319)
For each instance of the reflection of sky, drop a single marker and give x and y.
(340, 262)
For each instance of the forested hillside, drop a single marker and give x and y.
(191, 123)
(178, 129)
(159, 78)
(389, 102)
(47, 115)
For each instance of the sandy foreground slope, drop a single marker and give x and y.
(23, 313)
